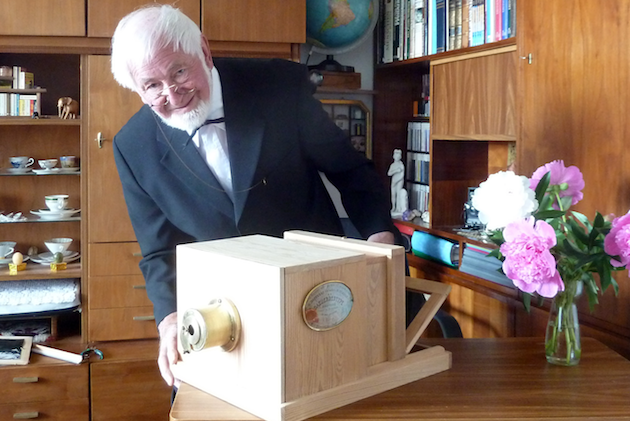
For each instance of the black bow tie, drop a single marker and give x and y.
(214, 121)
(207, 122)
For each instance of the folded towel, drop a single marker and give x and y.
(17, 297)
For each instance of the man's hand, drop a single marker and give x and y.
(384, 237)
(168, 348)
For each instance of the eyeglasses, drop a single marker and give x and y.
(158, 96)
(155, 91)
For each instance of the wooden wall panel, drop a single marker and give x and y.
(42, 17)
(254, 20)
(104, 15)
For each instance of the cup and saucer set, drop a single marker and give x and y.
(22, 165)
(56, 208)
(6, 252)
(49, 166)
(56, 245)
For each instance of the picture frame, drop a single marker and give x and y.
(15, 350)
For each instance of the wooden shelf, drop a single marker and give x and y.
(36, 271)
(42, 121)
(4, 89)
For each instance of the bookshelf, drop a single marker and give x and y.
(519, 103)
(354, 118)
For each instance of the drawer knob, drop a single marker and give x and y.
(25, 379)
(25, 415)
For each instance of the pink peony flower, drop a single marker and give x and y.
(528, 260)
(570, 177)
(617, 242)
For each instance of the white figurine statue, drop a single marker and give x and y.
(399, 194)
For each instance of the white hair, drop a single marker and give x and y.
(144, 32)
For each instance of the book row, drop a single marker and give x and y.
(20, 78)
(14, 105)
(418, 195)
(418, 136)
(415, 28)
(476, 262)
(418, 167)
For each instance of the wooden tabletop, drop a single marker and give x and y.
(491, 379)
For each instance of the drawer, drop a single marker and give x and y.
(142, 395)
(59, 410)
(117, 291)
(107, 259)
(38, 383)
(121, 324)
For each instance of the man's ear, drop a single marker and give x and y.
(205, 47)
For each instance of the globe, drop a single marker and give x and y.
(337, 26)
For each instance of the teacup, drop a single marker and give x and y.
(21, 161)
(6, 248)
(47, 164)
(56, 202)
(69, 161)
(58, 245)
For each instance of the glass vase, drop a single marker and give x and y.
(562, 341)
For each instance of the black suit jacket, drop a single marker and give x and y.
(279, 137)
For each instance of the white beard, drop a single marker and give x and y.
(192, 120)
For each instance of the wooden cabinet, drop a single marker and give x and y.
(254, 20)
(126, 385)
(104, 15)
(46, 389)
(42, 17)
(113, 254)
(48, 137)
(557, 91)
(108, 108)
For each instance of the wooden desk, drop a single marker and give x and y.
(491, 379)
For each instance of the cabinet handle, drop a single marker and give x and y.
(137, 254)
(25, 415)
(99, 139)
(139, 286)
(25, 379)
(143, 318)
(528, 57)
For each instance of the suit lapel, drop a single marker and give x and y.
(245, 130)
(182, 159)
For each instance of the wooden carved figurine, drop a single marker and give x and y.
(68, 107)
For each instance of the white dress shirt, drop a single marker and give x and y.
(211, 139)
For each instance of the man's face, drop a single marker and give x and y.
(177, 86)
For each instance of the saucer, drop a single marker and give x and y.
(7, 260)
(69, 170)
(47, 257)
(48, 214)
(18, 170)
(44, 172)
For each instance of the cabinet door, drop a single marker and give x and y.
(574, 94)
(109, 106)
(255, 20)
(104, 15)
(42, 17)
(142, 395)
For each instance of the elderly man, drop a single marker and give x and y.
(224, 148)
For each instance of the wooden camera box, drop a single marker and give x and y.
(289, 328)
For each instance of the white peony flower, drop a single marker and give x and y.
(503, 198)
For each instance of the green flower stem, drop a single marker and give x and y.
(563, 324)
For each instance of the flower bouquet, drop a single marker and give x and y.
(552, 251)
